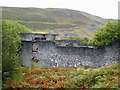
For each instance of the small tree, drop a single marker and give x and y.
(106, 34)
(11, 44)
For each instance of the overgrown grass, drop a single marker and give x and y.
(72, 77)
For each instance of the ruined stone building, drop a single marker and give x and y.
(51, 52)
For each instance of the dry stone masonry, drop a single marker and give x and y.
(60, 53)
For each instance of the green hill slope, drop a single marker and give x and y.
(54, 20)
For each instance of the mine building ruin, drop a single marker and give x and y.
(49, 52)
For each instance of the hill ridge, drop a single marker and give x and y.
(46, 19)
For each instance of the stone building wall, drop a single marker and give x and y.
(26, 54)
(33, 36)
(51, 55)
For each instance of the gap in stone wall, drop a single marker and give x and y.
(35, 63)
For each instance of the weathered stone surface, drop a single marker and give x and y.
(33, 36)
(26, 54)
(51, 55)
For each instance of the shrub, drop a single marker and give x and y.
(11, 45)
(106, 34)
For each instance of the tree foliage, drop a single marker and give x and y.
(106, 34)
(11, 45)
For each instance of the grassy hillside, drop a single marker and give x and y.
(52, 19)
(72, 77)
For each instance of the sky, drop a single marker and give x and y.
(103, 8)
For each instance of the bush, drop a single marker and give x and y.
(107, 34)
(79, 39)
(11, 45)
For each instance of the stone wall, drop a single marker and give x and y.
(33, 36)
(67, 43)
(51, 55)
(26, 54)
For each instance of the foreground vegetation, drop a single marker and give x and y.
(72, 77)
